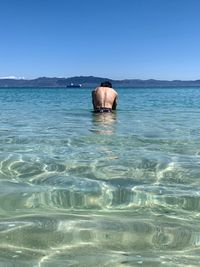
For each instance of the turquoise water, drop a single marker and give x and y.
(84, 189)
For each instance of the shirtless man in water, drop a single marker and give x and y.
(104, 98)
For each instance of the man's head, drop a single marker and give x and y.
(106, 84)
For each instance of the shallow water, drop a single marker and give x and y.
(84, 189)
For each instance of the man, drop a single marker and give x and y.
(104, 98)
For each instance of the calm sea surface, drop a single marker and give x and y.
(84, 189)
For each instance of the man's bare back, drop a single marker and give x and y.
(104, 98)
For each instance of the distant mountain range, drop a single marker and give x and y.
(91, 81)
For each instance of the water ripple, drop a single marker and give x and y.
(83, 190)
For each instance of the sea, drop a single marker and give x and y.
(115, 189)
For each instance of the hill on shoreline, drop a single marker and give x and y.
(91, 81)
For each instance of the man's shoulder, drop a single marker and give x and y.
(104, 89)
(113, 90)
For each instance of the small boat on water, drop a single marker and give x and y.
(72, 85)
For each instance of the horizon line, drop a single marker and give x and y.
(87, 76)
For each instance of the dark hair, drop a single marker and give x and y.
(106, 84)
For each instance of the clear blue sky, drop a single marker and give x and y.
(116, 39)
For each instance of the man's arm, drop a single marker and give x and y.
(93, 96)
(114, 106)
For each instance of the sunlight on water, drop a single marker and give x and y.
(84, 189)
